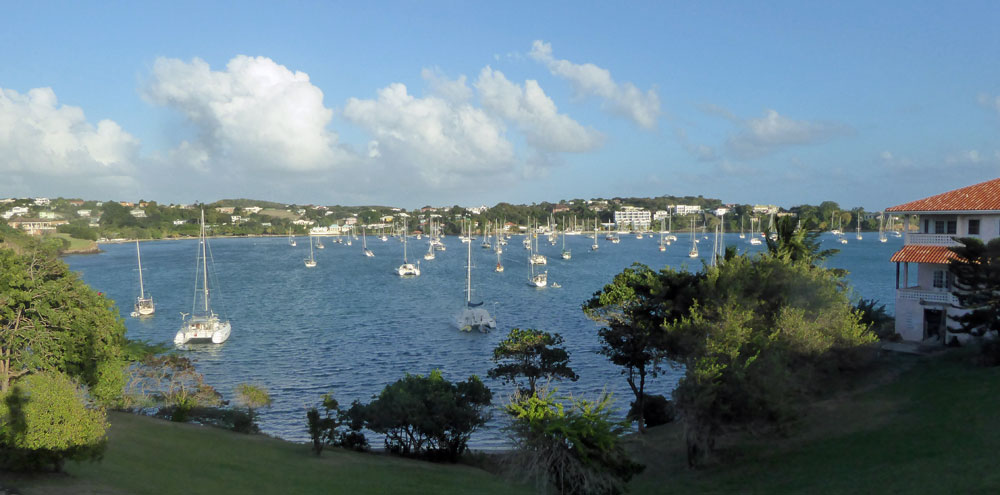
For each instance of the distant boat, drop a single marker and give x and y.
(407, 269)
(311, 260)
(429, 255)
(204, 326)
(474, 316)
(566, 254)
(143, 305)
(319, 244)
(693, 253)
(364, 244)
(536, 280)
(858, 237)
(595, 246)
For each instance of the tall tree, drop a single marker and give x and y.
(796, 244)
(976, 273)
(531, 354)
(634, 307)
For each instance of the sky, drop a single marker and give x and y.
(418, 103)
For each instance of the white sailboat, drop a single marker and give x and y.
(474, 316)
(203, 326)
(858, 237)
(499, 267)
(881, 228)
(429, 255)
(537, 280)
(364, 244)
(319, 244)
(536, 259)
(311, 260)
(291, 240)
(742, 236)
(693, 253)
(143, 305)
(407, 269)
(595, 246)
(566, 254)
(663, 244)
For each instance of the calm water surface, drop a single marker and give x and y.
(351, 326)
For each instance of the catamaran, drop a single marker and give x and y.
(474, 316)
(203, 326)
(143, 305)
(407, 269)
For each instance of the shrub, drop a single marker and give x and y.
(45, 419)
(657, 410)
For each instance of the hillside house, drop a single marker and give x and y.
(925, 302)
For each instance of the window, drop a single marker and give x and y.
(952, 226)
(973, 227)
(941, 279)
(927, 226)
(939, 226)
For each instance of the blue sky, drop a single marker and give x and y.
(414, 103)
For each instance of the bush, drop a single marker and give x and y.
(329, 428)
(45, 419)
(989, 353)
(657, 410)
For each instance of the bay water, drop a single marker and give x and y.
(350, 326)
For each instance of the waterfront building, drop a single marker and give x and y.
(686, 209)
(925, 302)
(631, 216)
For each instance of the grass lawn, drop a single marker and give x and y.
(284, 214)
(934, 429)
(147, 455)
(76, 244)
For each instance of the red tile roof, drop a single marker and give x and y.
(982, 196)
(917, 253)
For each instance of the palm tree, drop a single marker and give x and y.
(796, 244)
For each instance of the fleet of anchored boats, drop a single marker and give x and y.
(204, 325)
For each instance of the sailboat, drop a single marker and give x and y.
(594, 246)
(663, 245)
(474, 316)
(754, 239)
(881, 228)
(858, 237)
(536, 259)
(204, 326)
(311, 260)
(429, 255)
(742, 236)
(499, 268)
(407, 269)
(143, 305)
(566, 254)
(291, 240)
(539, 280)
(319, 244)
(693, 253)
(486, 243)
(364, 244)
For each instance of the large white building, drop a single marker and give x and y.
(925, 301)
(634, 217)
(686, 209)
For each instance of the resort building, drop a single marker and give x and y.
(924, 301)
(634, 217)
(686, 209)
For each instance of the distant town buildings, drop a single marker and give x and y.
(42, 201)
(686, 209)
(138, 213)
(660, 214)
(252, 210)
(764, 209)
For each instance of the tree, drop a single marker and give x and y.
(797, 244)
(253, 397)
(45, 419)
(51, 320)
(574, 449)
(976, 273)
(634, 308)
(169, 382)
(429, 415)
(532, 354)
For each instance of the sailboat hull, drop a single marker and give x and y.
(203, 331)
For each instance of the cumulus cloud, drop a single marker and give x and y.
(255, 114)
(773, 131)
(990, 101)
(623, 99)
(449, 89)
(534, 113)
(40, 136)
(442, 141)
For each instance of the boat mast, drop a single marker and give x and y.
(468, 273)
(404, 241)
(142, 294)
(204, 259)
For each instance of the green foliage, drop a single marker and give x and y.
(976, 273)
(44, 419)
(575, 449)
(874, 316)
(428, 415)
(532, 354)
(337, 427)
(51, 320)
(252, 397)
(795, 244)
(766, 333)
(633, 309)
(657, 410)
(79, 230)
(168, 382)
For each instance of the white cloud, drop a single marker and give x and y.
(590, 80)
(534, 113)
(990, 101)
(767, 134)
(966, 156)
(255, 114)
(39, 136)
(444, 142)
(451, 90)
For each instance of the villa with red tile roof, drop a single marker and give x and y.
(924, 304)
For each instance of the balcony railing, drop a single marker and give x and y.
(932, 239)
(926, 296)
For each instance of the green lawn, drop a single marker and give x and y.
(76, 244)
(147, 455)
(934, 429)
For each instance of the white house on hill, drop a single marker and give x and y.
(924, 304)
